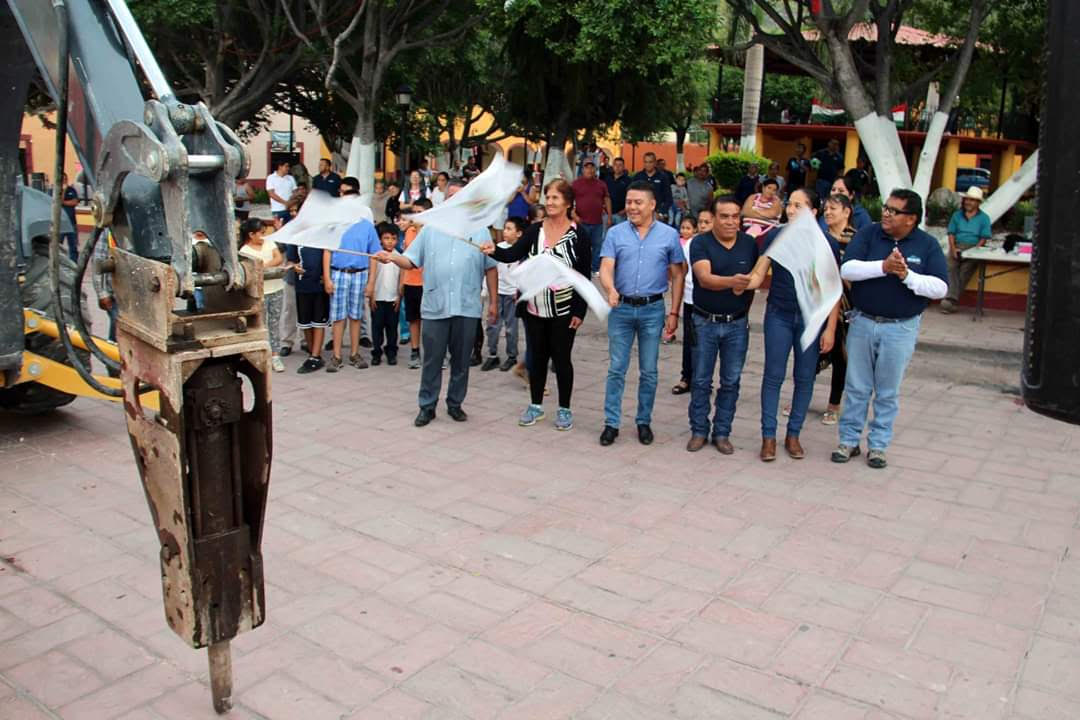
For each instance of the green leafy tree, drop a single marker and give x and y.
(356, 53)
(231, 54)
(868, 87)
(685, 102)
(583, 64)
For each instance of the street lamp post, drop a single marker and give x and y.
(403, 97)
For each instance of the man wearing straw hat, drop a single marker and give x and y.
(969, 227)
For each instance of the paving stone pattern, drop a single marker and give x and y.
(479, 570)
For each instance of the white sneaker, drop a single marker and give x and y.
(276, 364)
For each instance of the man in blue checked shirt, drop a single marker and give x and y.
(638, 260)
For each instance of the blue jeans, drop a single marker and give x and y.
(730, 342)
(878, 355)
(595, 233)
(783, 329)
(72, 240)
(646, 322)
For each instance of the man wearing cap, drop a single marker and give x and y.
(969, 227)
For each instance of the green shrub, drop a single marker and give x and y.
(1014, 219)
(940, 213)
(728, 168)
(873, 207)
(261, 197)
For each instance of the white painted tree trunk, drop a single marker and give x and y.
(929, 155)
(557, 165)
(680, 162)
(882, 144)
(1008, 193)
(753, 74)
(362, 164)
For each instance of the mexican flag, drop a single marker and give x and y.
(823, 114)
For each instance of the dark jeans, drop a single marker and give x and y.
(687, 343)
(72, 240)
(595, 234)
(550, 339)
(455, 334)
(783, 328)
(384, 327)
(839, 371)
(729, 342)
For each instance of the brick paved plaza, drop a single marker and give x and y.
(481, 570)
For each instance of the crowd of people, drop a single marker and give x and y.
(645, 238)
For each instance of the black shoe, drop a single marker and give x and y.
(457, 414)
(329, 345)
(425, 416)
(365, 343)
(390, 360)
(310, 365)
(490, 364)
(285, 351)
(508, 363)
(644, 434)
(304, 347)
(608, 436)
(476, 360)
(376, 360)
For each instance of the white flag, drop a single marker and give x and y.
(801, 248)
(542, 271)
(478, 205)
(323, 219)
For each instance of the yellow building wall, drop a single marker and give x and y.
(43, 148)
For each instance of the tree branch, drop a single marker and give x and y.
(967, 51)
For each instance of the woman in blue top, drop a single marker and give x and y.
(522, 200)
(783, 328)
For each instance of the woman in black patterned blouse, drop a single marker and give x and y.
(553, 316)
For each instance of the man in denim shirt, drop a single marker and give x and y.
(637, 261)
(450, 309)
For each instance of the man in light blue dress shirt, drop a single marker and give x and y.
(638, 260)
(453, 276)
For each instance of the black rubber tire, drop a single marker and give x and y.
(33, 398)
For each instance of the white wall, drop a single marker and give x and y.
(306, 135)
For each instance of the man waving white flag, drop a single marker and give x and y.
(478, 205)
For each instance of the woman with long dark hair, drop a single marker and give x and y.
(838, 217)
(553, 316)
(783, 328)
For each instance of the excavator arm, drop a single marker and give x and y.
(160, 170)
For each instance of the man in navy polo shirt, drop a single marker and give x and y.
(617, 185)
(658, 181)
(327, 180)
(638, 259)
(721, 262)
(895, 269)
